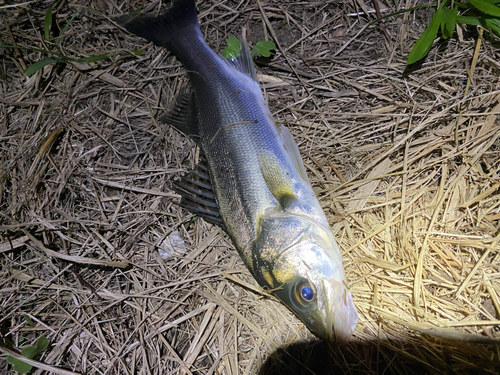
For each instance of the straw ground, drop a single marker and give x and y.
(97, 256)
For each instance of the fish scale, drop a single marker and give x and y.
(262, 193)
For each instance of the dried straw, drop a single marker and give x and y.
(96, 252)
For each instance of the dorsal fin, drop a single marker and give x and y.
(293, 151)
(244, 62)
(184, 115)
(198, 195)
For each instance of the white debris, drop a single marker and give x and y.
(172, 245)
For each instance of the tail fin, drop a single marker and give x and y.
(160, 29)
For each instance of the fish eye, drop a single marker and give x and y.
(307, 293)
(303, 293)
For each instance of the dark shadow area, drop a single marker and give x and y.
(423, 355)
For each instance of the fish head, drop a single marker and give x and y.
(303, 268)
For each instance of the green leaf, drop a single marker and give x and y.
(33, 351)
(286, 24)
(47, 24)
(67, 24)
(93, 58)
(29, 352)
(39, 65)
(28, 320)
(233, 49)
(448, 26)
(424, 43)
(138, 52)
(473, 21)
(19, 365)
(486, 7)
(233, 42)
(263, 48)
(439, 16)
(494, 25)
(442, 22)
(42, 343)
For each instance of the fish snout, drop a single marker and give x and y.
(343, 317)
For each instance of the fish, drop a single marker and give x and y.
(251, 180)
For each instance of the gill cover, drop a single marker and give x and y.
(271, 243)
(296, 258)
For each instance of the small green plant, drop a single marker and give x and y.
(472, 12)
(263, 48)
(233, 49)
(53, 52)
(28, 319)
(31, 352)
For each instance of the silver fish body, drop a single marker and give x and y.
(263, 195)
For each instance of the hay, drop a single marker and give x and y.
(121, 280)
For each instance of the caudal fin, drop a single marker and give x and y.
(163, 29)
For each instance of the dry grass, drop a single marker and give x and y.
(407, 169)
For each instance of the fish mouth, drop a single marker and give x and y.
(342, 315)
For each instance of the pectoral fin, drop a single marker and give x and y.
(277, 179)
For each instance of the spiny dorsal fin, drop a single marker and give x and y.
(183, 116)
(198, 195)
(244, 62)
(293, 151)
